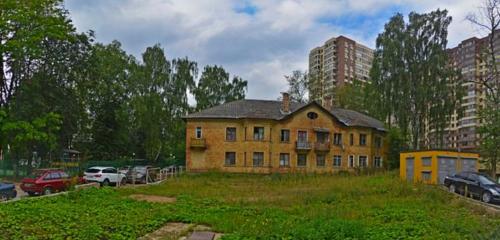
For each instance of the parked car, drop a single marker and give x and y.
(104, 175)
(476, 184)
(138, 174)
(7, 191)
(46, 181)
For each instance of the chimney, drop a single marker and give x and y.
(327, 102)
(285, 102)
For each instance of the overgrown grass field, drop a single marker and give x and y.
(257, 207)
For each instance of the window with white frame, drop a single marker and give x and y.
(258, 133)
(351, 161)
(258, 159)
(198, 132)
(284, 159)
(320, 160)
(230, 159)
(362, 161)
(337, 160)
(231, 134)
(301, 160)
(337, 139)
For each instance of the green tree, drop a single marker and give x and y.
(412, 76)
(25, 26)
(107, 95)
(214, 88)
(298, 84)
(351, 96)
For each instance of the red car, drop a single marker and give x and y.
(46, 181)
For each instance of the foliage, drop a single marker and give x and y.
(397, 143)
(214, 88)
(298, 84)
(256, 207)
(411, 74)
(352, 96)
(25, 27)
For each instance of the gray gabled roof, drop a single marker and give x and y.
(268, 109)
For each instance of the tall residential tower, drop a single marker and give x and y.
(339, 61)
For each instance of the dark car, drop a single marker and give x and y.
(141, 174)
(476, 184)
(46, 181)
(7, 191)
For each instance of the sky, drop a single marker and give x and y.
(258, 40)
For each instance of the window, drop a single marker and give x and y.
(52, 176)
(302, 136)
(351, 161)
(230, 159)
(312, 115)
(198, 132)
(284, 159)
(258, 133)
(362, 139)
(363, 161)
(231, 134)
(109, 170)
(337, 160)
(258, 159)
(285, 135)
(426, 176)
(320, 160)
(351, 139)
(64, 175)
(378, 142)
(337, 138)
(426, 161)
(301, 160)
(377, 161)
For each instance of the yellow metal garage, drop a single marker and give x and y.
(432, 166)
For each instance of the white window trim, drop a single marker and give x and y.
(196, 133)
(349, 161)
(307, 134)
(367, 161)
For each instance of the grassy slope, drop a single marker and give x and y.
(256, 206)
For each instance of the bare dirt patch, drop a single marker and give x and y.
(152, 198)
(172, 230)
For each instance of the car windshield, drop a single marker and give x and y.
(92, 170)
(486, 180)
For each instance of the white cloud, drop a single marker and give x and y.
(261, 47)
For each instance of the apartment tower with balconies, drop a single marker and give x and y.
(339, 61)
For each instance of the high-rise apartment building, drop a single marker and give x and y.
(339, 61)
(462, 133)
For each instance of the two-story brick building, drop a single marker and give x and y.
(281, 136)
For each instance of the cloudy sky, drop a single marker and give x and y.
(259, 40)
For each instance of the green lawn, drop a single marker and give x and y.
(257, 206)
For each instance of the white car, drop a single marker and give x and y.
(104, 175)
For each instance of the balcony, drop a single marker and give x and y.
(322, 146)
(303, 146)
(198, 143)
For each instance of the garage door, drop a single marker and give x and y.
(446, 166)
(409, 169)
(469, 164)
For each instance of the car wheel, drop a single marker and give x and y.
(105, 182)
(452, 188)
(4, 197)
(47, 191)
(486, 197)
(123, 182)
